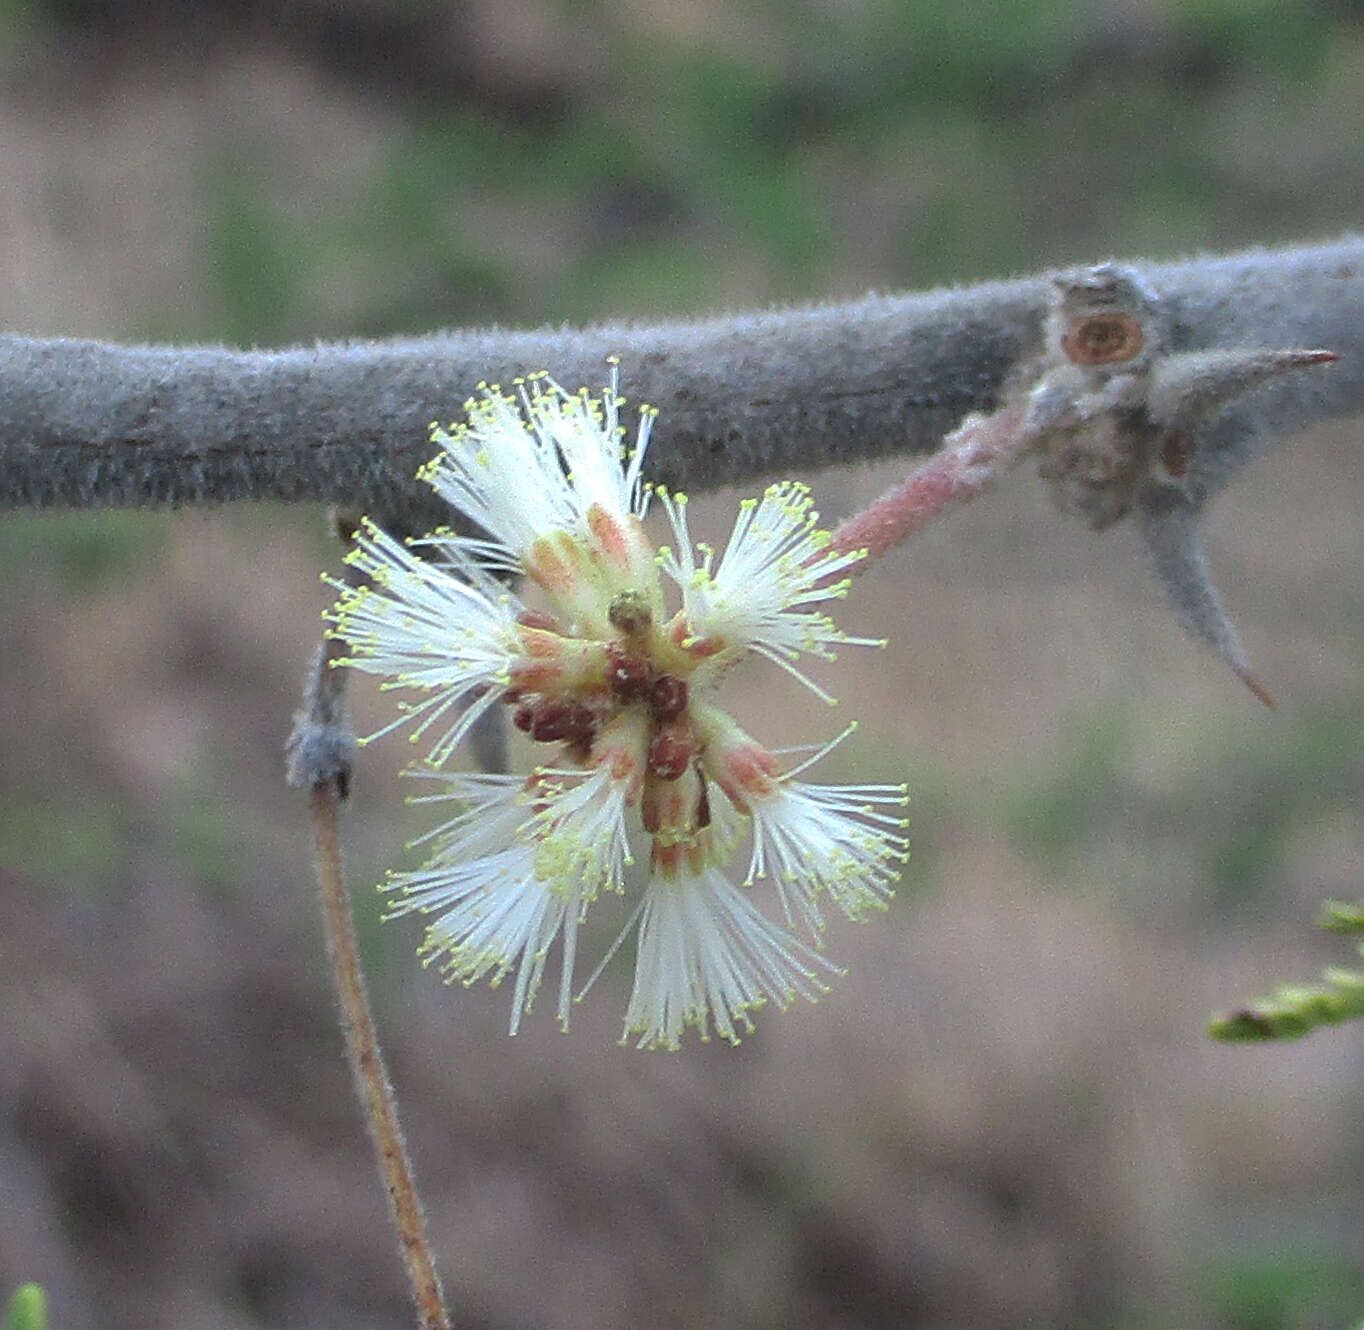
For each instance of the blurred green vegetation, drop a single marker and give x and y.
(1229, 816)
(81, 554)
(209, 839)
(27, 1309)
(776, 155)
(1294, 1285)
(85, 846)
(906, 143)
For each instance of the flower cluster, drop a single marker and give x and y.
(649, 786)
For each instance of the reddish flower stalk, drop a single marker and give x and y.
(971, 459)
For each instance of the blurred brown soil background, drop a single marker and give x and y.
(1007, 1114)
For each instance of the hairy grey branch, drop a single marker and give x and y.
(88, 424)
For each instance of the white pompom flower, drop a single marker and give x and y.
(650, 789)
(759, 597)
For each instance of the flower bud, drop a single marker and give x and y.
(667, 697)
(671, 750)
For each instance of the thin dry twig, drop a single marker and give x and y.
(367, 1066)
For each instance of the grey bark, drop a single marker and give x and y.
(89, 424)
